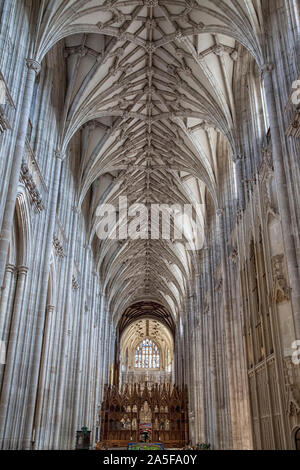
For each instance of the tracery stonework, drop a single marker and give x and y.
(123, 412)
(281, 289)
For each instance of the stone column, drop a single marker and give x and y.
(213, 433)
(5, 315)
(226, 306)
(40, 323)
(62, 375)
(33, 70)
(81, 351)
(45, 376)
(105, 347)
(199, 382)
(99, 365)
(283, 197)
(9, 271)
(13, 361)
(296, 10)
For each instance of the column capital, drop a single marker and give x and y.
(59, 155)
(266, 69)
(10, 268)
(238, 158)
(50, 308)
(22, 270)
(33, 65)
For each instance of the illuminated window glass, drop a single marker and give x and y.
(147, 355)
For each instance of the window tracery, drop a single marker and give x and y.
(147, 355)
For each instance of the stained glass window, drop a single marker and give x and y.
(147, 355)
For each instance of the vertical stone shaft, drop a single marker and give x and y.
(39, 331)
(226, 305)
(13, 362)
(283, 199)
(33, 70)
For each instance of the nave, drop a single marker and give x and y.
(149, 223)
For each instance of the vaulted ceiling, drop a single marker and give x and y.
(142, 310)
(150, 93)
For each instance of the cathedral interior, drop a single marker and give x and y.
(186, 341)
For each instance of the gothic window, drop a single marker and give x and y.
(147, 355)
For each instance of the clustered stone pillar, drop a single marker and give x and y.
(226, 307)
(283, 196)
(40, 320)
(13, 363)
(33, 69)
(6, 299)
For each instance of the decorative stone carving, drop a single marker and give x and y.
(293, 129)
(33, 65)
(151, 3)
(234, 55)
(27, 179)
(75, 283)
(199, 27)
(281, 292)
(6, 102)
(219, 50)
(266, 68)
(219, 285)
(4, 123)
(267, 162)
(58, 247)
(206, 308)
(293, 408)
(234, 255)
(292, 378)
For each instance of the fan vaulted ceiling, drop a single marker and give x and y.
(150, 96)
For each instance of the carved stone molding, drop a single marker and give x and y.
(219, 285)
(75, 283)
(293, 129)
(33, 65)
(206, 308)
(234, 256)
(292, 380)
(6, 103)
(267, 161)
(281, 290)
(4, 123)
(30, 185)
(266, 68)
(58, 247)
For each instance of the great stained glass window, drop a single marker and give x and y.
(147, 355)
